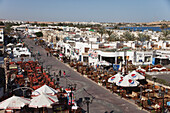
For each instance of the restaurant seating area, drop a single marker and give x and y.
(24, 77)
(148, 96)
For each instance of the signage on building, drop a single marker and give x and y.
(116, 67)
(93, 54)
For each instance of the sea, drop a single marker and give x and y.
(141, 28)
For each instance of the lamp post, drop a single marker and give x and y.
(41, 62)
(72, 87)
(87, 100)
(141, 91)
(162, 93)
(48, 67)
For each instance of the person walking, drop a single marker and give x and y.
(47, 54)
(59, 73)
(64, 73)
(50, 54)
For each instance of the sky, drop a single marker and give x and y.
(86, 10)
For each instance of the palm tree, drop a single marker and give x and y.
(164, 26)
(109, 32)
(127, 36)
(114, 37)
(101, 31)
(143, 37)
(165, 34)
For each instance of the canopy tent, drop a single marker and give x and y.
(14, 102)
(10, 44)
(105, 63)
(162, 68)
(43, 100)
(127, 82)
(19, 44)
(135, 75)
(159, 69)
(45, 89)
(115, 78)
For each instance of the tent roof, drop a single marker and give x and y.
(44, 89)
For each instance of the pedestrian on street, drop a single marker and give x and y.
(64, 73)
(59, 73)
(47, 54)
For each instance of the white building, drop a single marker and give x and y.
(1, 40)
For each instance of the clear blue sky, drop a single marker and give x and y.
(86, 10)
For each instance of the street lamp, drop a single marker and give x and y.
(41, 62)
(72, 87)
(88, 101)
(48, 67)
(141, 88)
(162, 93)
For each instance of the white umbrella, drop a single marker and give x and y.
(115, 78)
(10, 44)
(14, 102)
(155, 68)
(43, 100)
(45, 89)
(104, 63)
(141, 69)
(127, 82)
(162, 68)
(135, 75)
(19, 44)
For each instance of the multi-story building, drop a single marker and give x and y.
(1, 40)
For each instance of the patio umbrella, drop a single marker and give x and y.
(115, 78)
(45, 89)
(155, 68)
(162, 68)
(14, 102)
(43, 100)
(10, 44)
(135, 75)
(104, 63)
(19, 44)
(61, 55)
(141, 69)
(127, 82)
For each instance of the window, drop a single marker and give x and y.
(147, 58)
(86, 50)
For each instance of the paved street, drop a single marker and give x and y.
(104, 101)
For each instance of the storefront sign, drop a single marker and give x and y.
(93, 54)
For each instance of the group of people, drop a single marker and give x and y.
(49, 54)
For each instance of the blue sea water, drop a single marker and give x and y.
(142, 28)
